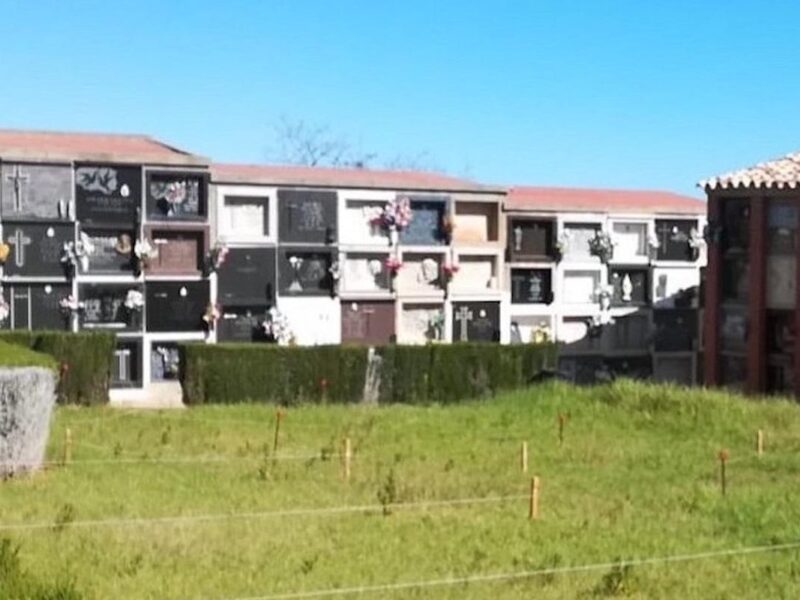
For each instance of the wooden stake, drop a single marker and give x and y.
(533, 507)
(278, 417)
(561, 419)
(67, 446)
(523, 457)
(760, 442)
(348, 453)
(723, 459)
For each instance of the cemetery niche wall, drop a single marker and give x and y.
(35, 191)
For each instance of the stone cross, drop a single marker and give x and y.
(17, 178)
(19, 241)
(464, 316)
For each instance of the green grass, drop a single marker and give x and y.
(636, 476)
(12, 355)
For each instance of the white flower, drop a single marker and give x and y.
(134, 300)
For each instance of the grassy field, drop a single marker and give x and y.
(635, 477)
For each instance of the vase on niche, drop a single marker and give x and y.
(296, 263)
(394, 236)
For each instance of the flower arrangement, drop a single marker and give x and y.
(653, 244)
(217, 257)
(335, 271)
(70, 305)
(436, 324)
(175, 192)
(450, 269)
(448, 225)
(277, 329)
(134, 300)
(78, 253)
(393, 265)
(144, 251)
(696, 240)
(5, 309)
(602, 246)
(562, 244)
(395, 216)
(540, 334)
(603, 293)
(5, 249)
(212, 314)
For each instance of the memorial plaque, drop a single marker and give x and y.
(579, 335)
(176, 305)
(577, 237)
(630, 286)
(36, 306)
(633, 367)
(307, 216)
(35, 191)
(781, 281)
(421, 323)
(733, 329)
(475, 222)
(475, 274)
(242, 324)
(247, 277)
(365, 272)
(781, 332)
(782, 220)
(173, 196)
(583, 370)
(425, 228)
(674, 369)
(675, 330)
(675, 287)
(165, 361)
(580, 287)
(105, 307)
(630, 240)
(735, 224)
(358, 226)
(126, 366)
(673, 239)
(530, 239)
(177, 252)
(780, 376)
(112, 250)
(630, 333)
(420, 274)
(245, 217)
(367, 322)
(108, 194)
(476, 321)
(305, 272)
(733, 370)
(735, 279)
(36, 248)
(531, 286)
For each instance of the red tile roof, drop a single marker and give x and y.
(345, 178)
(783, 172)
(44, 146)
(555, 199)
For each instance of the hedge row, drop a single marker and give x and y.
(11, 355)
(84, 361)
(230, 373)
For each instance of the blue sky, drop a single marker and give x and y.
(596, 93)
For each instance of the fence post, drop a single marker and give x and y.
(348, 453)
(533, 506)
(523, 457)
(760, 442)
(278, 417)
(723, 459)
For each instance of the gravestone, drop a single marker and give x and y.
(35, 191)
(476, 274)
(245, 216)
(36, 306)
(630, 286)
(112, 250)
(425, 228)
(305, 272)
(630, 240)
(420, 274)
(126, 366)
(108, 194)
(176, 305)
(530, 239)
(36, 248)
(367, 322)
(673, 239)
(476, 322)
(676, 330)
(578, 236)
(247, 277)
(242, 324)
(177, 251)
(531, 286)
(421, 323)
(307, 217)
(733, 329)
(365, 272)
(175, 196)
(358, 226)
(104, 307)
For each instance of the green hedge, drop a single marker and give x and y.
(83, 359)
(229, 373)
(12, 355)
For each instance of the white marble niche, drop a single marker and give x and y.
(356, 226)
(580, 286)
(418, 323)
(577, 237)
(421, 273)
(475, 222)
(476, 274)
(364, 273)
(630, 239)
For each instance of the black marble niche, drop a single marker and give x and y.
(176, 196)
(629, 333)
(631, 367)
(104, 307)
(242, 324)
(733, 370)
(531, 286)
(591, 342)
(164, 361)
(176, 305)
(782, 222)
(427, 219)
(113, 250)
(36, 306)
(126, 365)
(38, 191)
(639, 291)
(307, 216)
(676, 330)
(36, 248)
(247, 277)
(312, 275)
(108, 194)
(781, 332)
(476, 321)
(735, 224)
(530, 239)
(673, 238)
(586, 370)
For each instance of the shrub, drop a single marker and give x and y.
(84, 360)
(227, 373)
